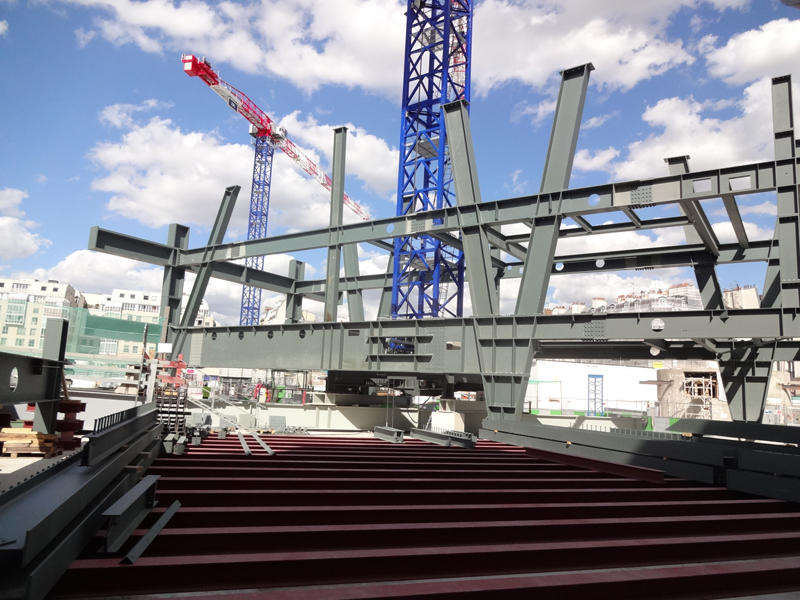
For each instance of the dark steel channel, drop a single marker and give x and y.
(375, 519)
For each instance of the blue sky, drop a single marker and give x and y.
(101, 127)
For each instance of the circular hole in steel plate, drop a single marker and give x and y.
(14, 379)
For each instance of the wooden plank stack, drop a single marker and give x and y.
(24, 442)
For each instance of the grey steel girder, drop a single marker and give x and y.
(612, 197)
(500, 349)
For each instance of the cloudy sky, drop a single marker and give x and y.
(101, 127)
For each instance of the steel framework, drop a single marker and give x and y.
(257, 224)
(495, 352)
(428, 270)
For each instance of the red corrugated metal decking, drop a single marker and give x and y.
(352, 517)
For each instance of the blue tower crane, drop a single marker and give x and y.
(257, 224)
(428, 274)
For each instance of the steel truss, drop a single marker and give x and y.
(428, 271)
(257, 224)
(497, 351)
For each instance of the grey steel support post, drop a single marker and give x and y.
(294, 301)
(337, 211)
(705, 273)
(355, 302)
(782, 286)
(215, 238)
(55, 346)
(477, 253)
(172, 286)
(385, 307)
(745, 376)
(557, 172)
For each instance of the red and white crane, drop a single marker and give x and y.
(261, 124)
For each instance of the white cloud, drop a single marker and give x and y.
(121, 115)
(16, 238)
(599, 160)
(41, 179)
(3, 28)
(597, 121)
(683, 128)
(84, 37)
(158, 174)
(765, 208)
(308, 42)
(369, 157)
(725, 234)
(538, 112)
(359, 43)
(528, 41)
(772, 49)
(10, 200)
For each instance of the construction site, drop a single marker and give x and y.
(644, 447)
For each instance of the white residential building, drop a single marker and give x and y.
(25, 306)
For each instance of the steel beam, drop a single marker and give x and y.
(294, 300)
(337, 208)
(389, 434)
(174, 275)
(557, 171)
(611, 197)
(215, 238)
(477, 254)
(125, 515)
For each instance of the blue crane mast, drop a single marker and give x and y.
(257, 224)
(428, 274)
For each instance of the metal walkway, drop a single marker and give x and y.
(363, 518)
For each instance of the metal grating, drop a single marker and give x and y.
(359, 517)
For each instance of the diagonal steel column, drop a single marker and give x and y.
(337, 208)
(216, 237)
(477, 253)
(700, 232)
(557, 171)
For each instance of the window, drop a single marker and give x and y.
(5, 328)
(16, 312)
(136, 349)
(155, 319)
(138, 318)
(126, 348)
(130, 317)
(127, 306)
(35, 321)
(36, 311)
(33, 331)
(146, 297)
(122, 295)
(55, 289)
(20, 286)
(18, 342)
(3, 341)
(30, 343)
(44, 288)
(2, 285)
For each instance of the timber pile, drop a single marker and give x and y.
(24, 442)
